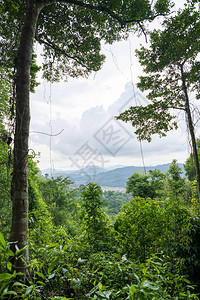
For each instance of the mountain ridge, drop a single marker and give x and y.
(116, 177)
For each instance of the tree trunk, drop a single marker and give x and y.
(19, 229)
(191, 129)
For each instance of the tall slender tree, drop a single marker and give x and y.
(5, 150)
(70, 32)
(172, 66)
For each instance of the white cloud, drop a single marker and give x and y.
(98, 136)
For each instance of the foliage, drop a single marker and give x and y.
(173, 53)
(40, 219)
(156, 185)
(11, 285)
(123, 279)
(139, 227)
(35, 197)
(157, 282)
(114, 201)
(5, 95)
(189, 165)
(146, 185)
(175, 182)
(106, 262)
(5, 183)
(189, 250)
(95, 220)
(61, 201)
(63, 266)
(5, 150)
(68, 50)
(146, 226)
(11, 22)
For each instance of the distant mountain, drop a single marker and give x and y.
(116, 177)
(89, 169)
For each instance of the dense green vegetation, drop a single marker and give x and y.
(83, 243)
(86, 244)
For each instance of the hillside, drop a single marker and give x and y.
(116, 177)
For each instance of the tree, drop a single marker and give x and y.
(114, 202)
(189, 165)
(146, 227)
(172, 66)
(5, 181)
(5, 150)
(59, 197)
(70, 32)
(147, 185)
(175, 181)
(94, 216)
(140, 227)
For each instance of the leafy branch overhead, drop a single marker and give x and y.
(71, 31)
(172, 66)
(149, 120)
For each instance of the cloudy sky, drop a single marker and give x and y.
(80, 116)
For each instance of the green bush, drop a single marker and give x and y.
(95, 221)
(146, 226)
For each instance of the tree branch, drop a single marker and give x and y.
(40, 132)
(100, 8)
(56, 48)
(142, 28)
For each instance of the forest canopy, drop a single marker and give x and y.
(61, 242)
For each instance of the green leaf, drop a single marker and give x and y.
(148, 284)
(10, 252)
(51, 266)
(133, 290)
(29, 290)
(61, 298)
(10, 293)
(105, 294)
(40, 275)
(3, 242)
(5, 276)
(9, 265)
(94, 289)
(19, 284)
(96, 270)
(100, 286)
(51, 276)
(186, 280)
(77, 283)
(137, 278)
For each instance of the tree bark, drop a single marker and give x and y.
(19, 192)
(191, 129)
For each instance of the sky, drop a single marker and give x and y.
(79, 116)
